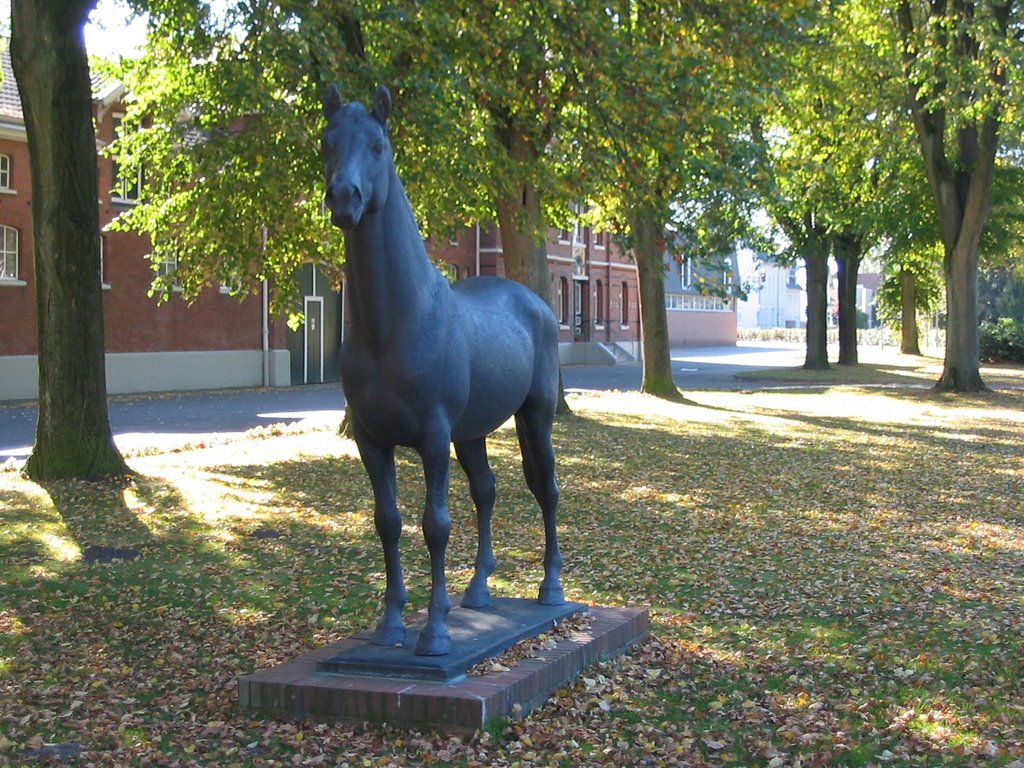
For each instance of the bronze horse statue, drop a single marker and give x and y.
(426, 364)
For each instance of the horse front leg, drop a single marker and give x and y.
(473, 458)
(380, 467)
(434, 639)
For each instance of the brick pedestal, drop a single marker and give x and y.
(299, 689)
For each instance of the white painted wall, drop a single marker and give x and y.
(159, 372)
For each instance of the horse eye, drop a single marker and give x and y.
(378, 147)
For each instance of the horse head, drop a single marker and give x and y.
(357, 156)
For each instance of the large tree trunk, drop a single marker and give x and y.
(961, 368)
(648, 247)
(523, 247)
(524, 237)
(73, 437)
(849, 251)
(909, 342)
(816, 263)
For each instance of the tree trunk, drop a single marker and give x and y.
(816, 263)
(523, 238)
(73, 437)
(849, 251)
(961, 368)
(650, 267)
(909, 342)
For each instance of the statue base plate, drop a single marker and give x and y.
(476, 635)
(303, 688)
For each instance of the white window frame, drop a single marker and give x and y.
(689, 302)
(169, 266)
(686, 273)
(103, 265)
(6, 167)
(10, 245)
(122, 191)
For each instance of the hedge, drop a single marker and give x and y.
(1001, 340)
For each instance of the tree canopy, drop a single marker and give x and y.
(660, 117)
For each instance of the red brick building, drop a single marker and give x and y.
(216, 341)
(593, 287)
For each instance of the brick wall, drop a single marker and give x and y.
(133, 321)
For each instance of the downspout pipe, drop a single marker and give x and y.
(266, 321)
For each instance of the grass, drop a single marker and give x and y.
(884, 367)
(835, 578)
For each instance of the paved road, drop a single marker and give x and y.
(138, 421)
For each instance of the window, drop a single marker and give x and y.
(624, 305)
(688, 301)
(791, 281)
(599, 240)
(8, 253)
(579, 233)
(599, 304)
(5, 174)
(563, 301)
(686, 273)
(127, 184)
(168, 268)
(103, 265)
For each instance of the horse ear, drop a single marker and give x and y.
(382, 104)
(332, 100)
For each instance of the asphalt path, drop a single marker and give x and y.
(180, 418)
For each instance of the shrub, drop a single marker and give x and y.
(1001, 340)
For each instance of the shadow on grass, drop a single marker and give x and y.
(95, 514)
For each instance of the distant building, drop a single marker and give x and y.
(775, 297)
(697, 316)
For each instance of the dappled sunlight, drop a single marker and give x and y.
(60, 547)
(242, 615)
(938, 722)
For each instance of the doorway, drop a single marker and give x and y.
(313, 366)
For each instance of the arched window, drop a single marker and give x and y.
(8, 253)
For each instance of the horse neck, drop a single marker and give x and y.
(390, 281)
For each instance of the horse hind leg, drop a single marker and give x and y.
(533, 426)
(472, 455)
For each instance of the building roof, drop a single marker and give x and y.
(10, 102)
(106, 92)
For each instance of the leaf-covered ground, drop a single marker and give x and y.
(834, 578)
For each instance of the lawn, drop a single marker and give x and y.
(884, 366)
(835, 577)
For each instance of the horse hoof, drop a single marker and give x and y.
(436, 644)
(551, 596)
(389, 634)
(476, 599)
